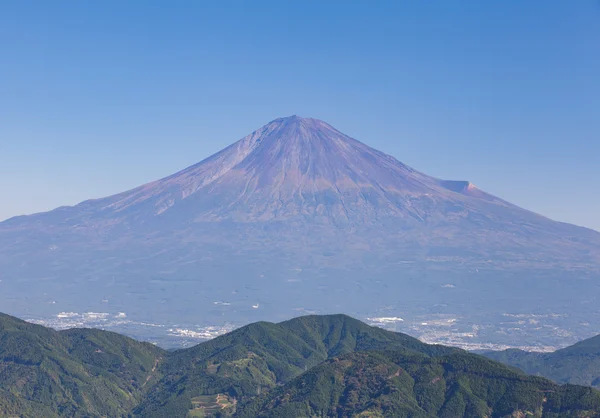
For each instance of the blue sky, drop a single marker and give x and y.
(98, 97)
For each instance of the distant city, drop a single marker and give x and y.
(435, 329)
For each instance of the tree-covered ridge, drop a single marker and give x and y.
(309, 366)
(578, 364)
(260, 356)
(400, 384)
(79, 372)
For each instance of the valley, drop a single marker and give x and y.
(547, 332)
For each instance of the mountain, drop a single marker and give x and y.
(578, 364)
(263, 355)
(308, 366)
(394, 384)
(75, 373)
(298, 217)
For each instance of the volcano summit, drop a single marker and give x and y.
(299, 217)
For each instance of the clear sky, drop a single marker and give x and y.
(100, 96)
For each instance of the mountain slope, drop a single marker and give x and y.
(75, 373)
(262, 355)
(578, 364)
(394, 384)
(308, 366)
(297, 169)
(296, 211)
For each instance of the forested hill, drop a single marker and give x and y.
(578, 364)
(401, 384)
(74, 373)
(263, 355)
(308, 366)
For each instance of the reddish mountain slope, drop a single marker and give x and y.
(295, 195)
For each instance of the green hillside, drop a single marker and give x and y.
(263, 355)
(578, 364)
(312, 366)
(397, 384)
(80, 372)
